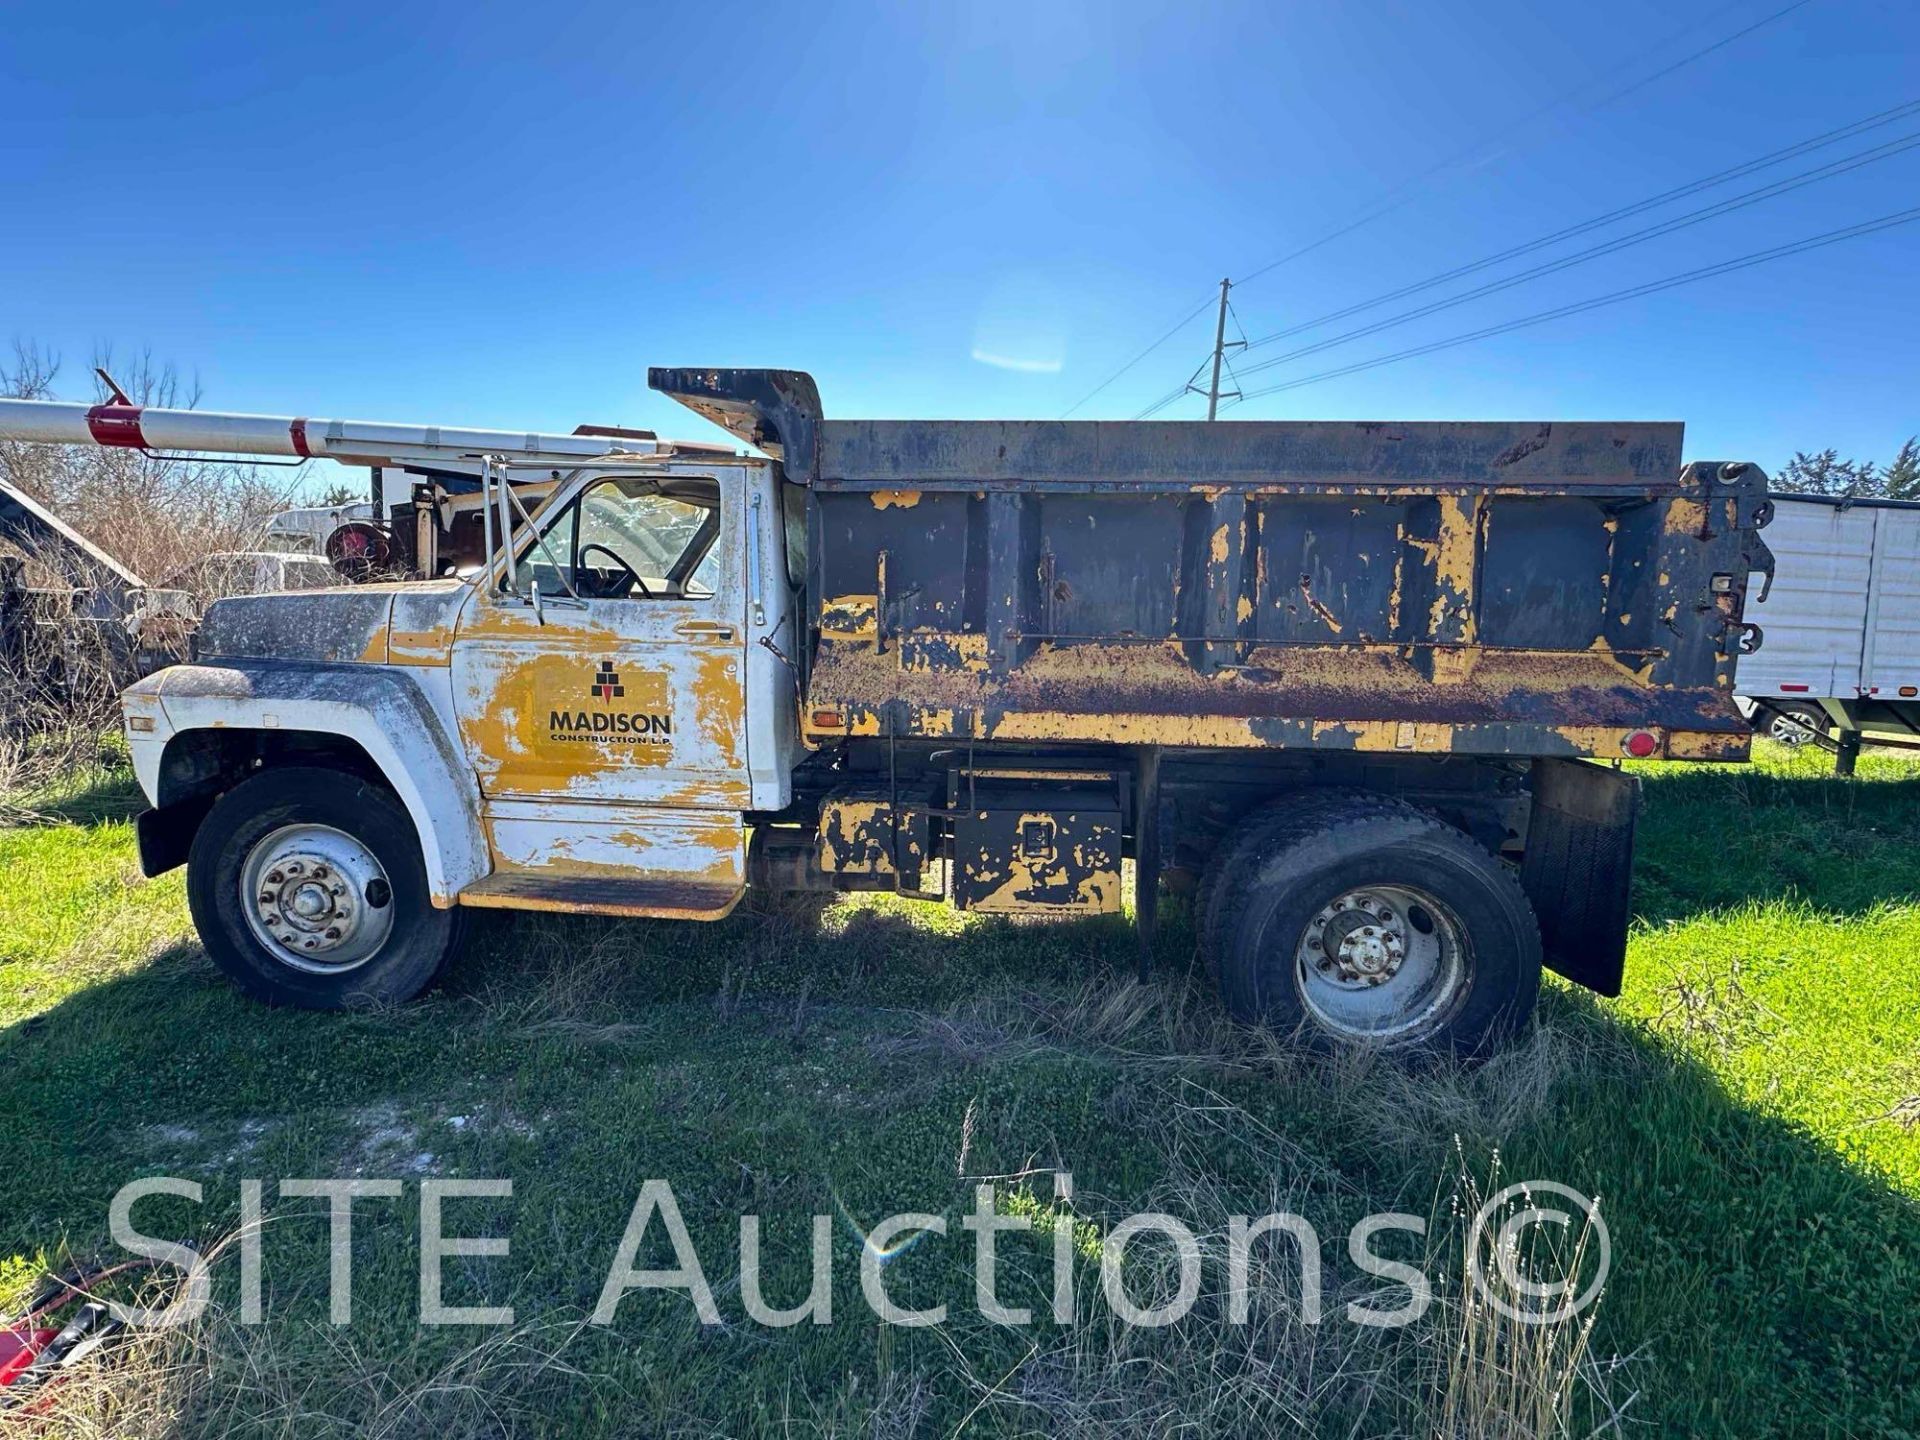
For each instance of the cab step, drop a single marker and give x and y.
(663, 899)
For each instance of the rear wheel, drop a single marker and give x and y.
(308, 889)
(1227, 870)
(1378, 925)
(1794, 724)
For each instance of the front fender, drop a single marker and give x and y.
(383, 711)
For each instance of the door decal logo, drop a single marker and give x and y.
(606, 682)
(609, 717)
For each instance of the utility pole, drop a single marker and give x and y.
(1219, 351)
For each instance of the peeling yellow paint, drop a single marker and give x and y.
(720, 706)
(904, 499)
(1685, 517)
(420, 647)
(850, 617)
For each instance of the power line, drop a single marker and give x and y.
(1758, 257)
(1183, 388)
(1623, 242)
(1394, 204)
(1679, 192)
(1391, 203)
(1163, 402)
(1184, 321)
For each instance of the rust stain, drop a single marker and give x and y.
(1641, 675)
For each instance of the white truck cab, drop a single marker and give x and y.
(583, 724)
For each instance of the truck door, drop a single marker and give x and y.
(602, 723)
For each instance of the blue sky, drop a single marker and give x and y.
(501, 215)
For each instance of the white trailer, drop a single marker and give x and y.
(1842, 624)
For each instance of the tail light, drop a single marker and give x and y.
(1641, 743)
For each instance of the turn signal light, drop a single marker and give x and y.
(1640, 744)
(828, 720)
(141, 724)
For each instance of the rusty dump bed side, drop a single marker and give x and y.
(1497, 588)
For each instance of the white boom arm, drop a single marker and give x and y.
(352, 442)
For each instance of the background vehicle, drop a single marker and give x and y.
(1842, 625)
(1346, 679)
(304, 529)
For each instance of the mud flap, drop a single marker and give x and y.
(1578, 870)
(164, 835)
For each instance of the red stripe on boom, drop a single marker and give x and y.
(116, 425)
(298, 432)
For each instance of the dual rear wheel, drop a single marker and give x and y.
(1355, 919)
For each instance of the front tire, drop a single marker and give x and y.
(1382, 926)
(308, 889)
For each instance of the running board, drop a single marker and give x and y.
(595, 895)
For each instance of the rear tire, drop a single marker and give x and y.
(308, 889)
(1793, 724)
(1376, 924)
(1226, 872)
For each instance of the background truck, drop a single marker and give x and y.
(1345, 682)
(1842, 624)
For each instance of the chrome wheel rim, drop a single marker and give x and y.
(316, 899)
(1789, 730)
(1383, 963)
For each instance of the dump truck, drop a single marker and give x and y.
(1361, 691)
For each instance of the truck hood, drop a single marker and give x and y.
(344, 626)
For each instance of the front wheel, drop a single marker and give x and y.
(308, 889)
(1389, 929)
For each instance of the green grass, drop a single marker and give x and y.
(1739, 1110)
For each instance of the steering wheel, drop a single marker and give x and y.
(625, 568)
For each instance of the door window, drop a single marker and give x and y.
(633, 537)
